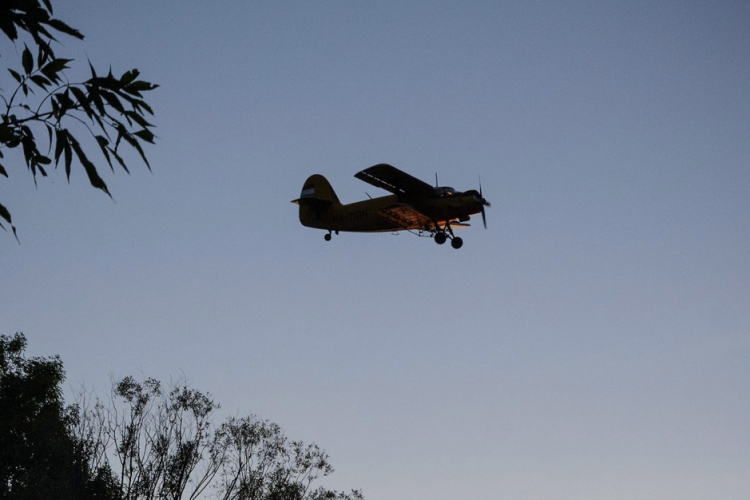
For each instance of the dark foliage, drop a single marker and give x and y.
(39, 457)
(145, 442)
(44, 113)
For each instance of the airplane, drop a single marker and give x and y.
(413, 206)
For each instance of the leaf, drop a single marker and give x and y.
(5, 214)
(68, 159)
(142, 104)
(51, 69)
(63, 146)
(65, 102)
(119, 160)
(130, 140)
(40, 81)
(112, 100)
(103, 145)
(129, 76)
(49, 134)
(139, 86)
(146, 135)
(3, 171)
(96, 98)
(9, 29)
(83, 100)
(64, 28)
(27, 60)
(16, 76)
(42, 56)
(94, 178)
(138, 119)
(59, 144)
(7, 134)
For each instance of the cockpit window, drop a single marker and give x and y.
(441, 192)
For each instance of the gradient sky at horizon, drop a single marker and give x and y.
(594, 342)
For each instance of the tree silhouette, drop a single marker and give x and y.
(39, 457)
(45, 114)
(146, 441)
(161, 443)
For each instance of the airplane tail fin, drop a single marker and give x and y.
(317, 191)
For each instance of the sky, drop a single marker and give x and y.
(593, 342)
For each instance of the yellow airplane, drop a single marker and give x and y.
(413, 206)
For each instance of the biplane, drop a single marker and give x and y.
(413, 206)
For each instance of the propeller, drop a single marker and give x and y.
(484, 203)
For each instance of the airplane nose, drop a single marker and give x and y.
(484, 203)
(481, 201)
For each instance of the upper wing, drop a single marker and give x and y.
(394, 180)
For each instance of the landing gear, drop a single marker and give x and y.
(442, 234)
(328, 236)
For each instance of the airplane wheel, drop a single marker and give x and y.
(327, 237)
(440, 238)
(457, 243)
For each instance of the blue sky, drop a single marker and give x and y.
(593, 342)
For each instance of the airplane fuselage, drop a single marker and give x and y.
(360, 216)
(367, 215)
(413, 205)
